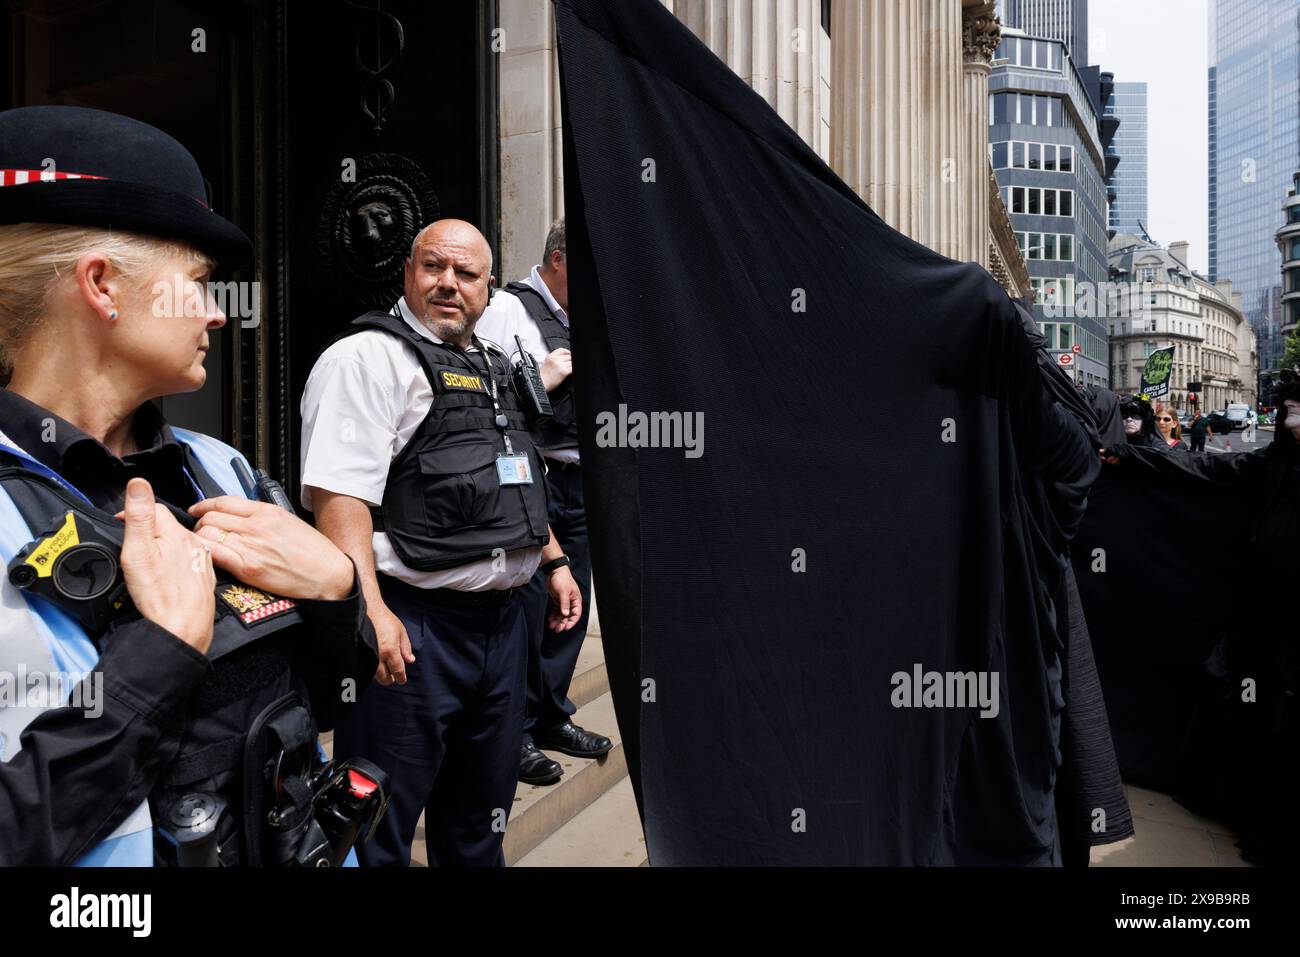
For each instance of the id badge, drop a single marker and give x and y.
(514, 470)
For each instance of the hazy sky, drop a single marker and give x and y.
(1163, 42)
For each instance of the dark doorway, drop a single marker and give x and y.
(330, 131)
(184, 67)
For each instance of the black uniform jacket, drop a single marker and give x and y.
(75, 779)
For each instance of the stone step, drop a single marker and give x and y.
(605, 834)
(590, 679)
(539, 812)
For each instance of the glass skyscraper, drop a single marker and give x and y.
(1254, 148)
(1128, 102)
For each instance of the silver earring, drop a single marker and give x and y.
(112, 315)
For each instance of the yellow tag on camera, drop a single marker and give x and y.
(43, 556)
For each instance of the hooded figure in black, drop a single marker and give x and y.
(1215, 686)
(1139, 422)
(769, 591)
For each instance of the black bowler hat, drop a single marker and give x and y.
(111, 172)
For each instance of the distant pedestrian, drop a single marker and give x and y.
(1170, 431)
(1199, 429)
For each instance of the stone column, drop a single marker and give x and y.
(980, 35)
(532, 165)
(942, 150)
(774, 46)
(876, 106)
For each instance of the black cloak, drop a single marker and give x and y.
(884, 483)
(1194, 598)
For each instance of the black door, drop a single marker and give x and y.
(391, 125)
(331, 131)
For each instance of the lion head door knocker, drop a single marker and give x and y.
(367, 226)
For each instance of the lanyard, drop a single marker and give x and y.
(490, 388)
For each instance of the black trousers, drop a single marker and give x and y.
(552, 656)
(449, 737)
(1198, 443)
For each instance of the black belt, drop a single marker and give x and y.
(450, 597)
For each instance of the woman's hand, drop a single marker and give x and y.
(168, 569)
(269, 548)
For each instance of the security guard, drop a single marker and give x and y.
(536, 311)
(418, 463)
(235, 615)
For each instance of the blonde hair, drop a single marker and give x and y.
(36, 257)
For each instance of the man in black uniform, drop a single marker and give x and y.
(418, 463)
(536, 310)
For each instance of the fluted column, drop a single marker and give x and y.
(773, 45)
(980, 35)
(943, 105)
(876, 111)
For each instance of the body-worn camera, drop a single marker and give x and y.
(74, 565)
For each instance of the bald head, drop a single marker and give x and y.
(458, 229)
(447, 279)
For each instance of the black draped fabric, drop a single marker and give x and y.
(1185, 563)
(1091, 806)
(757, 600)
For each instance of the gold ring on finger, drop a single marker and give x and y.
(222, 537)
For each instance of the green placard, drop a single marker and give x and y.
(1155, 374)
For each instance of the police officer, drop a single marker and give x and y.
(234, 605)
(536, 310)
(418, 463)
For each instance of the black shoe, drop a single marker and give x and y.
(537, 768)
(570, 739)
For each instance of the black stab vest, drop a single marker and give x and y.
(560, 431)
(253, 638)
(443, 504)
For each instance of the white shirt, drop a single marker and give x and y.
(506, 317)
(364, 399)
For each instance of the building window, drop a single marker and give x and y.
(1035, 156)
(999, 155)
(1067, 159)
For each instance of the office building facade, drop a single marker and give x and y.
(1064, 20)
(1128, 210)
(1050, 160)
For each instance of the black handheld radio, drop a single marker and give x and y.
(528, 383)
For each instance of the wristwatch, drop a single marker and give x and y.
(555, 563)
